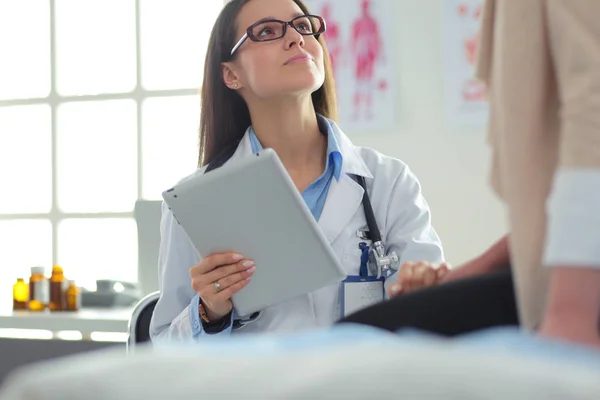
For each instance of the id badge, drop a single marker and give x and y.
(359, 292)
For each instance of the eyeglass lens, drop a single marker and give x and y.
(270, 30)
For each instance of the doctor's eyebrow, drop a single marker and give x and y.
(270, 18)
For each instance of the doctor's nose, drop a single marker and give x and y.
(292, 37)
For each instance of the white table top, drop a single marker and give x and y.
(86, 320)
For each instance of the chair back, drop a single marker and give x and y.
(138, 329)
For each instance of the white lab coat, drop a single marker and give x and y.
(401, 212)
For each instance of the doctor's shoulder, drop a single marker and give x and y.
(195, 173)
(385, 169)
(393, 182)
(220, 159)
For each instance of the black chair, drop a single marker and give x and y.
(138, 329)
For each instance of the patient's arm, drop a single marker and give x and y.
(495, 257)
(416, 276)
(573, 311)
(572, 248)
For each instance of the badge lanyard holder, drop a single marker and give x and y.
(363, 290)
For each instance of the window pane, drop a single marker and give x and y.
(95, 46)
(169, 142)
(25, 49)
(97, 156)
(23, 244)
(90, 249)
(25, 159)
(174, 40)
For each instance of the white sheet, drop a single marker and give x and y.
(359, 365)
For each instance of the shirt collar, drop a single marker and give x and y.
(334, 154)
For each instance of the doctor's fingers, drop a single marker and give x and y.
(406, 276)
(226, 281)
(442, 271)
(213, 261)
(414, 276)
(226, 293)
(236, 271)
(429, 275)
(242, 267)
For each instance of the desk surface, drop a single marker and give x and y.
(86, 320)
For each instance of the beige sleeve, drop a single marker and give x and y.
(573, 233)
(574, 33)
(486, 40)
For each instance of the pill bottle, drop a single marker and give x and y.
(20, 295)
(38, 290)
(73, 297)
(58, 287)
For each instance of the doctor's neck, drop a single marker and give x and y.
(289, 126)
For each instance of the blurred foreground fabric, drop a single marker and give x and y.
(351, 362)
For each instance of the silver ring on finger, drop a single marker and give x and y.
(217, 286)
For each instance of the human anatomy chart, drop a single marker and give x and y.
(465, 101)
(360, 39)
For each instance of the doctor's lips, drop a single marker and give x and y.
(303, 57)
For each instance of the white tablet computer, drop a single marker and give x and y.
(253, 208)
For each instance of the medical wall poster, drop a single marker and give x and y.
(464, 95)
(360, 38)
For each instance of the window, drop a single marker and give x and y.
(99, 107)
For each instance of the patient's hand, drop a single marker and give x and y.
(466, 270)
(414, 276)
(573, 305)
(496, 257)
(578, 331)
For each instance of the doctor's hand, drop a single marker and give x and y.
(217, 278)
(414, 276)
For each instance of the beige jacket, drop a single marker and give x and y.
(540, 60)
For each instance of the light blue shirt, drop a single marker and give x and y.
(314, 196)
(316, 193)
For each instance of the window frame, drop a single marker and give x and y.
(54, 100)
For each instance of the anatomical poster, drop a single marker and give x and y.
(464, 96)
(360, 38)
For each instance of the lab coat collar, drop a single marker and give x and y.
(334, 155)
(352, 164)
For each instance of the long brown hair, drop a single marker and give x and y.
(224, 115)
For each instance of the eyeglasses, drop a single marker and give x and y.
(273, 29)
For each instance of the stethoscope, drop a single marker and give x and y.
(380, 263)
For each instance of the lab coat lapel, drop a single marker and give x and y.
(345, 195)
(244, 149)
(343, 200)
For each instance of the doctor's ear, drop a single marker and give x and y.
(230, 78)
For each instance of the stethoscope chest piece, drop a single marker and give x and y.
(382, 264)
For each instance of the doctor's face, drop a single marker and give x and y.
(290, 65)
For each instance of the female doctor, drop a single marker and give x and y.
(268, 83)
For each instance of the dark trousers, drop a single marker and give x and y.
(449, 309)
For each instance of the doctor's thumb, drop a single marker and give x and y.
(394, 290)
(443, 270)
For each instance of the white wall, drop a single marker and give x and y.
(452, 164)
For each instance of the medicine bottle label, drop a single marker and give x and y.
(41, 292)
(63, 289)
